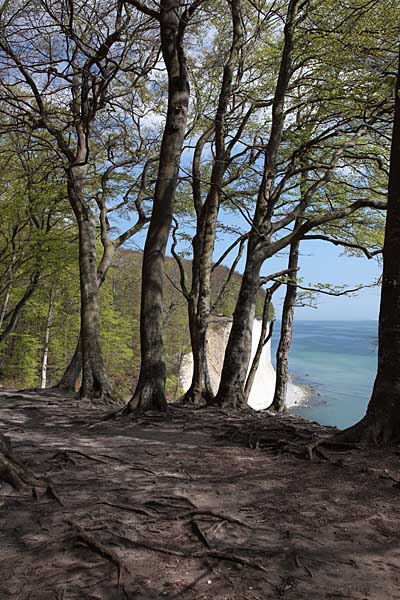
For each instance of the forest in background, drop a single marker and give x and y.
(188, 126)
(265, 123)
(37, 352)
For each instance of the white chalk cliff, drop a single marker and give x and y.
(263, 388)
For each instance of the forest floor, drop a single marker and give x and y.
(194, 504)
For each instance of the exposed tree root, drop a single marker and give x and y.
(106, 399)
(90, 541)
(209, 553)
(366, 433)
(196, 396)
(145, 399)
(215, 515)
(12, 471)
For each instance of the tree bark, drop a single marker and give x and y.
(264, 339)
(14, 315)
(45, 359)
(68, 381)
(70, 378)
(285, 340)
(5, 305)
(203, 244)
(150, 389)
(200, 388)
(238, 351)
(237, 355)
(381, 424)
(95, 385)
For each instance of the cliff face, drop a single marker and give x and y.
(264, 383)
(217, 339)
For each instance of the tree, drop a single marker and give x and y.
(58, 83)
(328, 135)
(173, 20)
(381, 424)
(199, 295)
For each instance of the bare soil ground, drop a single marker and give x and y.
(193, 504)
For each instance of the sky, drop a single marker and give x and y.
(320, 262)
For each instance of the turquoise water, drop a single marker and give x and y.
(338, 360)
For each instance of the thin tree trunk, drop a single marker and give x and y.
(150, 389)
(5, 305)
(285, 340)
(43, 375)
(237, 355)
(264, 339)
(207, 215)
(200, 387)
(381, 424)
(14, 315)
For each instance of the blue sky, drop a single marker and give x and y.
(320, 262)
(324, 263)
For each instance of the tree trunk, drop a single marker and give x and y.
(200, 388)
(203, 244)
(237, 355)
(238, 351)
(381, 424)
(70, 378)
(264, 339)
(5, 305)
(150, 389)
(13, 317)
(8, 293)
(285, 340)
(95, 385)
(71, 374)
(43, 376)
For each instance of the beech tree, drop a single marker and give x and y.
(324, 148)
(34, 218)
(132, 192)
(58, 82)
(199, 295)
(173, 19)
(360, 235)
(381, 424)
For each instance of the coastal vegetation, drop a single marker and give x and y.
(156, 157)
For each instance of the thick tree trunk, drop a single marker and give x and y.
(238, 351)
(285, 340)
(45, 359)
(150, 389)
(381, 424)
(70, 378)
(68, 381)
(95, 385)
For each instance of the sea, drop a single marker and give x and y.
(336, 362)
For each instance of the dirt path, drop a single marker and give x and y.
(180, 506)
